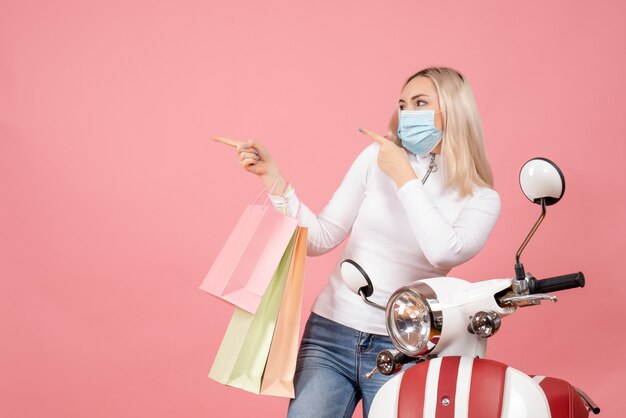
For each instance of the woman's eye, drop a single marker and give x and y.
(421, 103)
(401, 107)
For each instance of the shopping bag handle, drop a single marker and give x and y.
(268, 193)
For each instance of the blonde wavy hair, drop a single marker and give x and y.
(463, 145)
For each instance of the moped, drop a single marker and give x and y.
(442, 324)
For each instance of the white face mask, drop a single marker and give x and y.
(416, 129)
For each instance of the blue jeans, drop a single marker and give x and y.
(330, 372)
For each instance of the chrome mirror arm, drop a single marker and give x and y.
(370, 303)
(519, 268)
(532, 231)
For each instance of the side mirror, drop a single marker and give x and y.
(539, 179)
(542, 183)
(357, 280)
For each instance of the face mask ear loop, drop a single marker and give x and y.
(444, 123)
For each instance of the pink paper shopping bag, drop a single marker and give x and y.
(247, 261)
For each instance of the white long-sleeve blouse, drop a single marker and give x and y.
(397, 235)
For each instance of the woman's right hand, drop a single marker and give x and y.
(256, 159)
(253, 157)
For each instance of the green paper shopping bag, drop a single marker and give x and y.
(241, 358)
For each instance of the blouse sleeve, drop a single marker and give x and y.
(334, 222)
(446, 244)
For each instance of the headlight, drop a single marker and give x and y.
(414, 319)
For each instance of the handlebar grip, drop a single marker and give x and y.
(554, 284)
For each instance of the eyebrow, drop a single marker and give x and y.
(414, 97)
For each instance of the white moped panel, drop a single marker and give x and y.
(523, 397)
(458, 300)
(385, 404)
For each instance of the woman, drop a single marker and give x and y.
(415, 203)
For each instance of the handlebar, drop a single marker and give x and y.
(554, 284)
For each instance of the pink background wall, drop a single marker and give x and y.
(114, 203)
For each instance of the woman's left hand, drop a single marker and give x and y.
(392, 159)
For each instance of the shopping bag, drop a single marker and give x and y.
(246, 263)
(241, 358)
(281, 362)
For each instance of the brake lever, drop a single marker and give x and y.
(527, 300)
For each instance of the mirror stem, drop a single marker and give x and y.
(519, 268)
(370, 303)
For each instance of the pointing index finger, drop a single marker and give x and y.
(373, 135)
(228, 141)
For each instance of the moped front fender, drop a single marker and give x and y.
(466, 387)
